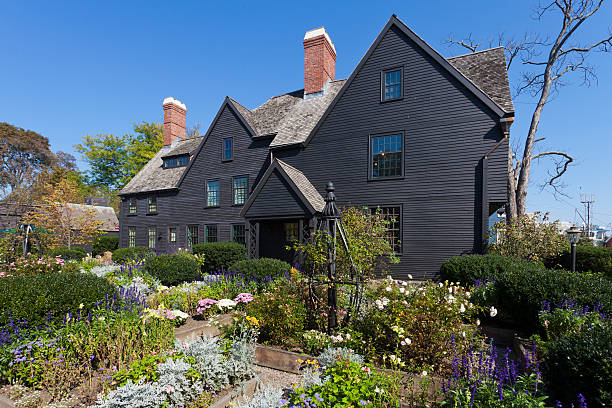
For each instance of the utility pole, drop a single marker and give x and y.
(588, 200)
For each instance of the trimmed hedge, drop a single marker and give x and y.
(104, 244)
(220, 255)
(262, 268)
(588, 259)
(173, 269)
(32, 297)
(520, 286)
(74, 253)
(125, 255)
(581, 363)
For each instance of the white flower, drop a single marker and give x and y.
(409, 276)
(402, 290)
(450, 290)
(377, 390)
(81, 306)
(467, 294)
(461, 308)
(388, 288)
(403, 343)
(101, 318)
(450, 299)
(493, 311)
(477, 322)
(424, 373)
(463, 334)
(408, 341)
(180, 314)
(226, 303)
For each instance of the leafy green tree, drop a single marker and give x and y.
(114, 160)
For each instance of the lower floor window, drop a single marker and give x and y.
(131, 237)
(238, 233)
(152, 236)
(211, 233)
(172, 234)
(392, 216)
(192, 235)
(291, 231)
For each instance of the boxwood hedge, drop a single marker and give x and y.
(588, 259)
(35, 297)
(74, 253)
(220, 255)
(262, 268)
(125, 255)
(173, 269)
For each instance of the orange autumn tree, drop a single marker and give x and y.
(65, 222)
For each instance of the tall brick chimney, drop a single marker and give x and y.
(319, 60)
(175, 113)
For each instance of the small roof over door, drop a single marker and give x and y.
(282, 192)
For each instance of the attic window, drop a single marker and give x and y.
(178, 161)
(391, 82)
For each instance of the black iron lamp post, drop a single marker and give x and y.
(330, 217)
(573, 236)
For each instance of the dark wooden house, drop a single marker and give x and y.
(423, 137)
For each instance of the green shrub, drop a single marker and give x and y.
(581, 363)
(467, 269)
(74, 253)
(125, 255)
(262, 268)
(220, 255)
(33, 297)
(173, 269)
(588, 259)
(103, 244)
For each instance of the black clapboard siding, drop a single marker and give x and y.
(276, 199)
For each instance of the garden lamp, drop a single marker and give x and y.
(573, 235)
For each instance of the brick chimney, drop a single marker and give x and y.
(319, 60)
(175, 114)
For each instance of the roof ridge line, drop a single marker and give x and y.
(475, 52)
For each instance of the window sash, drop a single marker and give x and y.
(192, 235)
(240, 190)
(132, 206)
(228, 148)
(394, 233)
(172, 234)
(211, 233)
(172, 162)
(212, 194)
(386, 156)
(239, 233)
(131, 237)
(393, 84)
(152, 204)
(152, 237)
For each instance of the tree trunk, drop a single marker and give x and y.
(511, 212)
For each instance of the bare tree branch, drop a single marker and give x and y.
(561, 166)
(467, 43)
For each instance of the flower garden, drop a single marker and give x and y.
(101, 334)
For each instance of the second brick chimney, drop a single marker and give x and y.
(175, 114)
(319, 60)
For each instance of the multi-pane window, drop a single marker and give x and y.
(152, 204)
(239, 233)
(131, 237)
(392, 217)
(291, 231)
(392, 86)
(211, 233)
(152, 237)
(132, 206)
(192, 235)
(228, 148)
(386, 156)
(172, 234)
(240, 190)
(212, 194)
(179, 161)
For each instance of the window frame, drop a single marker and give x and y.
(218, 194)
(175, 228)
(216, 227)
(246, 197)
(400, 220)
(382, 83)
(154, 228)
(372, 136)
(178, 160)
(187, 234)
(131, 228)
(129, 205)
(150, 198)
(223, 159)
(243, 225)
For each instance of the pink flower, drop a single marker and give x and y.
(244, 298)
(205, 304)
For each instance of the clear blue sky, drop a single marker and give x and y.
(71, 68)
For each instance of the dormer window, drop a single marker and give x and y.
(177, 161)
(228, 149)
(391, 81)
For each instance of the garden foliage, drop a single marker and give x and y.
(104, 243)
(131, 254)
(32, 265)
(50, 297)
(262, 268)
(173, 269)
(220, 255)
(73, 253)
(588, 259)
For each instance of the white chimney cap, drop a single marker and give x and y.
(317, 32)
(174, 102)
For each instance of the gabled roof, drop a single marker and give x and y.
(153, 176)
(105, 215)
(296, 179)
(487, 70)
